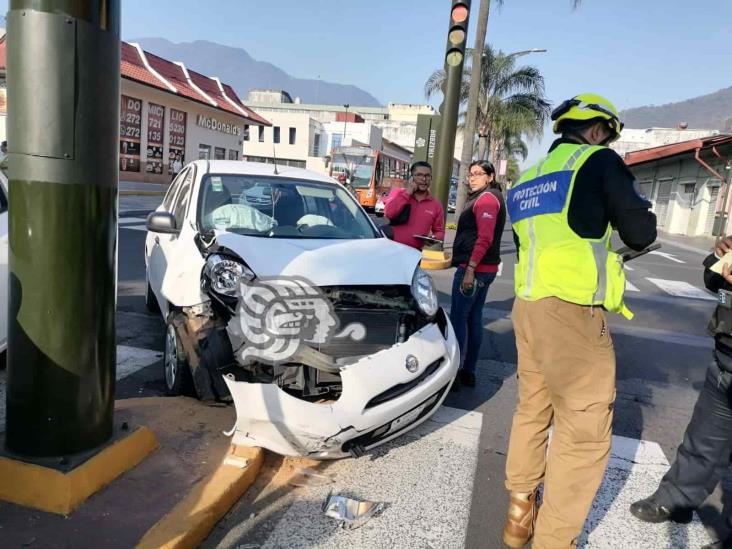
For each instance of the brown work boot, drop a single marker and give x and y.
(520, 519)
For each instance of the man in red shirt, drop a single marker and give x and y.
(426, 213)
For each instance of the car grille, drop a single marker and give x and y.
(382, 331)
(402, 388)
(372, 437)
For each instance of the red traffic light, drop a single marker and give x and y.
(459, 13)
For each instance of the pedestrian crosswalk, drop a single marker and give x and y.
(134, 223)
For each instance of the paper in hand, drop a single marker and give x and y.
(717, 267)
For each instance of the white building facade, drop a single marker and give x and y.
(639, 139)
(294, 138)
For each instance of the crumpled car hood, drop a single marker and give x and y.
(377, 261)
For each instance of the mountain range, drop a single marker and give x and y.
(236, 67)
(712, 111)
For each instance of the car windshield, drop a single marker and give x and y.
(271, 207)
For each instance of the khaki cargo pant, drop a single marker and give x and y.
(566, 377)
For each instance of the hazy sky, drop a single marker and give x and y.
(636, 52)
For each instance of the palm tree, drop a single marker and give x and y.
(511, 101)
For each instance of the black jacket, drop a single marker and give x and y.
(467, 232)
(720, 325)
(605, 191)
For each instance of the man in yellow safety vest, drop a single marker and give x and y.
(563, 211)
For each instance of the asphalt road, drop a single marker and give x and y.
(662, 355)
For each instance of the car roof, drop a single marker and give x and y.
(237, 167)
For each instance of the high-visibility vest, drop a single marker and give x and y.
(553, 259)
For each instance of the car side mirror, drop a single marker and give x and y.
(161, 222)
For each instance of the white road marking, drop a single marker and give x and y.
(134, 223)
(679, 288)
(668, 256)
(634, 472)
(630, 287)
(129, 361)
(627, 268)
(425, 477)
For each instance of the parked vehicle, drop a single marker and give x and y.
(380, 205)
(283, 306)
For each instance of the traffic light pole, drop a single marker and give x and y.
(454, 60)
(63, 62)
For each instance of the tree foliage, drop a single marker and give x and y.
(512, 105)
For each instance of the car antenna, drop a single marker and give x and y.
(274, 155)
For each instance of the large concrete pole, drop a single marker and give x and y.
(454, 61)
(63, 63)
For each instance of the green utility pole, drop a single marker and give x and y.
(425, 140)
(63, 63)
(454, 60)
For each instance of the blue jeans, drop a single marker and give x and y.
(466, 316)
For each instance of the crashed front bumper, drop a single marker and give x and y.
(381, 399)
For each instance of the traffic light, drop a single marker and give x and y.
(457, 36)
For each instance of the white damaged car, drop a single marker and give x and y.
(281, 294)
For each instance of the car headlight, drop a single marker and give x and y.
(424, 292)
(225, 273)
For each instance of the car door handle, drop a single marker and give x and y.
(157, 240)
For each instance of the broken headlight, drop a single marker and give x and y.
(225, 273)
(424, 292)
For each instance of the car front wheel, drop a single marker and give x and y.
(178, 380)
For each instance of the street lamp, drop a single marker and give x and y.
(526, 52)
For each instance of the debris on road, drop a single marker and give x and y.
(353, 513)
(308, 477)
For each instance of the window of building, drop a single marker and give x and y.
(220, 153)
(293, 135)
(261, 134)
(233, 155)
(689, 188)
(204, 151)
(276, 134)
(246, 132)
(337, 139)
(316, 145)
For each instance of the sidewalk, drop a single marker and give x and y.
(700, 244)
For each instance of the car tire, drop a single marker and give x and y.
(176, 371)
(151, 301)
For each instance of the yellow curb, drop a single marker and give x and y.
(189, 522)
(434, 260)
(53, 491)
(142, 193)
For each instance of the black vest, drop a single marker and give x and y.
(467, 232)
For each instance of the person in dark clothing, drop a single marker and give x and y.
(476, 253)
(704, 453)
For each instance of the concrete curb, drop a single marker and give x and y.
(189, 523)
(52, 491)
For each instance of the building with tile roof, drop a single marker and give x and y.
(169, 113)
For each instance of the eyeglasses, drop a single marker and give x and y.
(422, 176)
